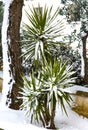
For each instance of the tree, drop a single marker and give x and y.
(84, 56)
(12, 64)
(1, 19)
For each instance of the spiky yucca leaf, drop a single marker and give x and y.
(32, 98)
(56, 77)
(41, 32)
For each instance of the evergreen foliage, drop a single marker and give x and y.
(75, 10)
(73, 57)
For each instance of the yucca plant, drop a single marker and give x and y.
(42, 94)
(39, 35)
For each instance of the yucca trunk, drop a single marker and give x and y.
(46, 114)
(52, 124)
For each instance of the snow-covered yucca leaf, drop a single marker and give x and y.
(56, 77)
(39, 36)
(32, 98)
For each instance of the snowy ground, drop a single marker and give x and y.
(16, 120)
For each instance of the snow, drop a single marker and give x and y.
(76, 88)
(71, 122)
(1, 74)
(7, 2)
(66, 123)
(15, 119)
(87, 28)
(42, 3)
(83, 34)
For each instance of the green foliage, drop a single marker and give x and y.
(1, 12)
(75, 10)
(42, 93)
(39, 35)
(74, 59)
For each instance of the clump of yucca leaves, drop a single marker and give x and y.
(41, 33)
(41, 94)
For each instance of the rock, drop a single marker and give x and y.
(81, 103)
(1, 84)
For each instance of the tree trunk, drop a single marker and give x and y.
(84, 41)
(12, 63)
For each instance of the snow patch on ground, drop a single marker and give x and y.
(71, 122)
(76, 88)
(16, 120)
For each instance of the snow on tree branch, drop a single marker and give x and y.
(83, 34)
